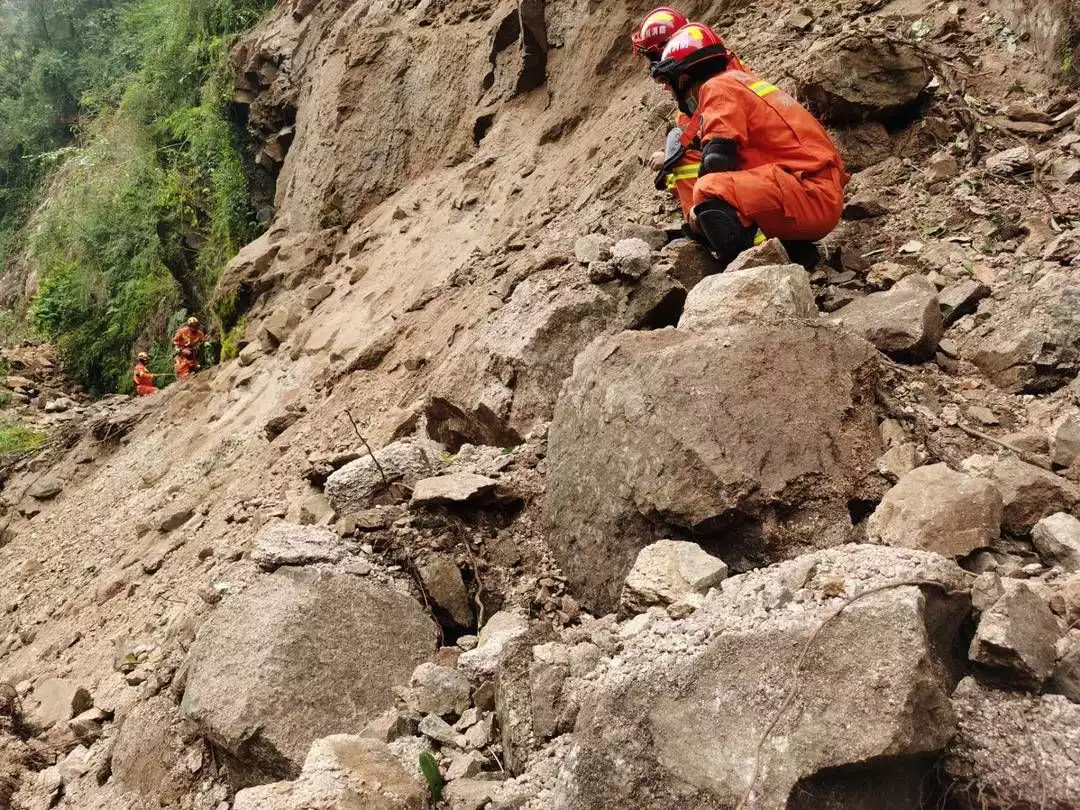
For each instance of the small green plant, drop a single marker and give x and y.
(430, 768)
(230, 343)
(18, 438)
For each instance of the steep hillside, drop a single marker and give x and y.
(503, 474)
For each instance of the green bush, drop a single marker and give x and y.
(145, 212)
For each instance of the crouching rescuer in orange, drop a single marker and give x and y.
(765, 161)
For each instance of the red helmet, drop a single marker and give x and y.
(657, 29)
(692, 45)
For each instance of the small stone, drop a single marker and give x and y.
(442, 580)
(942, 166)
(960, 299)
(935, 509)
(440, 731)
(175, 516)
(467, 642)
(46, 488)
(389, 726)
(593, 248)
(1010, 161)
(316, 509)
(1029, 493)
(986, 590)
(904, 322)
(653, 237)
(1066, 678)
(57, 700)
(668, 570)
(983, 415)
(601, 272)
(465, 764)
(632, 258)
(316, 295)
(899, 460)
(454, 488)
(1065, 442)
(769, 253)
(438, 690)
(282, 543)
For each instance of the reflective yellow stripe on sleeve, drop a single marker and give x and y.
(686, 172)
(762, 88)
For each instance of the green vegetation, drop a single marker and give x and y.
(17, 438)
(119, 109)
(430, 768)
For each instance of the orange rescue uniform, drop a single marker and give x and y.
(789, 179)
(683, 176)
(187, 339)
(144, 381)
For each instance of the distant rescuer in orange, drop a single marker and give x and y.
(144, 380)
(187, 340)
(677, 166)
(766, 162)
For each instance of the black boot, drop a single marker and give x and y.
(726, 235)
(804, 253)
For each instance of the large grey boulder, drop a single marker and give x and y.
(297, 657)
(750, 440)
(386, 477)
(1018, 750)
(284, 543)
(1031, 343)
(683, 715)
(859, 78)
(1015, 640)
(905, 321)
(668, 570)
(933, 508)
(342, 772)
(754, 295)
(1057, 539)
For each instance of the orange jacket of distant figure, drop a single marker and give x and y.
(789, 179)
(144, 380)
(188, 337)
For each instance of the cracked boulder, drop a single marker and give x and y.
(1033, 344)
(857, 78)
(297, 657)
(677, 717)
(1016, 638)
(692, 436)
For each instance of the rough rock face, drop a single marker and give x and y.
(147, 759)
(933, 508)
(283, 543)
(692, 436)
(904, 322)
(360, 484)
(342, 772)
(676, 719)
(297, 657)
(1016, 638)
(1033, 345)
(754, 295)
(857, 78)
(509, 377)
(1057, 539)
(1017, 750)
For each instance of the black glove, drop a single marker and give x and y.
(718, 155)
